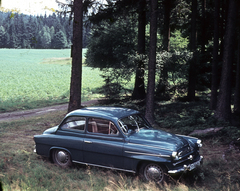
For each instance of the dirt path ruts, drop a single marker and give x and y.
(10, 116)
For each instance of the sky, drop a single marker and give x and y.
(34, 7)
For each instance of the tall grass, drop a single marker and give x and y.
(36, 78)
(21, 169)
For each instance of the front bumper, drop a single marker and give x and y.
(189, 167)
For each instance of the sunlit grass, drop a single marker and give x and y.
(26, 82)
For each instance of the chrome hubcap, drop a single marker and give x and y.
(154, 172)
(62, 156)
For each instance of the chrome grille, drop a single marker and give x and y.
(184, 151)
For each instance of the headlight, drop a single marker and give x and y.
(174, 155)
(199, 143)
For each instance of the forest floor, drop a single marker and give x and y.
(220, 169)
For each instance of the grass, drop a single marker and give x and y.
(37, 78)
(21, 169)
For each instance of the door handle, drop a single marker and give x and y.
(89, 142)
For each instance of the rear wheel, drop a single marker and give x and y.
(61, 158)
(153, 172)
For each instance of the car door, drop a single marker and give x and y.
(103, 144)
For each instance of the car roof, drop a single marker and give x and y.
(104, 112)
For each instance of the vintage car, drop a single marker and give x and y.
(121, 139)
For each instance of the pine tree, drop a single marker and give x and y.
(2, 37)
(52, 32)
(59, 40)
(32, 28)
(76, 75)
(223, 110)
(45, 38)
(149, 113)
(13, 38)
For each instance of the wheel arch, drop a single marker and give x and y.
(57, 148)
(142, 162)
(162, 169)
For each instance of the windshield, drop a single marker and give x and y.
(133, 123)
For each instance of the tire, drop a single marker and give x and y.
(61, 158)
(153, 172)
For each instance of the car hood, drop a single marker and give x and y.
(158, 138)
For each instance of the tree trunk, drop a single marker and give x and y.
(166, 25)
(139, 87)
(223, 111)
(203, 28)
(192, 68)
(237, 88)
(222, 25)
(152, 63)
(163, 81)
(214, 84)
(76, 76)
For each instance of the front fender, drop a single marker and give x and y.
(133, 159)
(148, 156)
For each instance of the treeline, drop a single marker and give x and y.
(41, 32)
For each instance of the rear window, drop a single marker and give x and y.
(74, 123)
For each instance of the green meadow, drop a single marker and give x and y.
(31, 78)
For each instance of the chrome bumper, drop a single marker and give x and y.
(187, 167)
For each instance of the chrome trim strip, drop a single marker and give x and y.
(112, 168)
(148, 154)
(89, 142)
(167, 156)
(152, 146)
(186, 136)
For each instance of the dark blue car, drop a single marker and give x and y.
(120, 139)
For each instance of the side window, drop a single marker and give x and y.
(74, 123)
(102, 126)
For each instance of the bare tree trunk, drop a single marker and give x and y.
(203, 29)
(139, 87)
(222, 25)
(76, 76)
(163, 81)
(166, 25)
(223, 111)
(237, 88)
(214, 85)
(192, 68)
(152, 63)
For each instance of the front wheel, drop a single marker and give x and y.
(153, 172)
(61, 158)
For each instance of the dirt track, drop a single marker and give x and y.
(10, 116)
